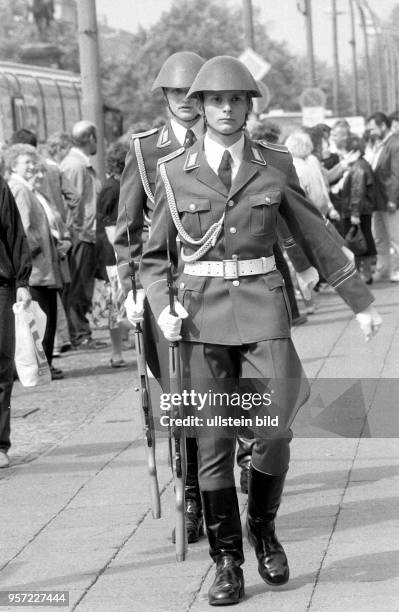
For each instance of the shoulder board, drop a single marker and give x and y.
(144, 134)
(171, 155)
(273, 147)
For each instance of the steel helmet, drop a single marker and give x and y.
(224, 73)
(179, 70)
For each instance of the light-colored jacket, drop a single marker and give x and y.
(77, 168)
(45, 269)
(312, 182)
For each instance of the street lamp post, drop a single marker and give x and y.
(92, 104)
(336, 59)
(248, 24)
(355, 84)
(367, 56)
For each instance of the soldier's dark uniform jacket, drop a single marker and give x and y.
(250, 308)
(136, 200)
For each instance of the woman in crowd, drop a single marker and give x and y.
(25, 167)
(309, 172)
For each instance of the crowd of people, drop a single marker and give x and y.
(289, 231)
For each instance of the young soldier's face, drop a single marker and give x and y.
(225, 111)
(183, 109)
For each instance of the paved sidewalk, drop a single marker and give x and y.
(75, 513)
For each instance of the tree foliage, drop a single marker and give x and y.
(209, 28)
(130, 62)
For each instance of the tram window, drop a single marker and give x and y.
(54, 111)
(18, 108)
(71, 107)
(34, 111)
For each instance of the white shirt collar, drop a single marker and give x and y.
(180, 131)
(214, 153)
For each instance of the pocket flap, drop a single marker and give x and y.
(273, 280)
(192, 283)
(267, 198)
(194, 205)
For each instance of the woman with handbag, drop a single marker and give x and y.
(45, 280)
(358, 206)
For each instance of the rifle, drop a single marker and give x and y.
(179, 465)
(145, 400)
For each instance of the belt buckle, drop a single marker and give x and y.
(233, 273)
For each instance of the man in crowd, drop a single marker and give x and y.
(386, 216)
(78, 168)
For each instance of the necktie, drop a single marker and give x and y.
(189, 139)
(224, 170)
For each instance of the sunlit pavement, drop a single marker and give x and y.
(75, 504)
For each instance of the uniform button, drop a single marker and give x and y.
(181, 285)
(233, 230)
(230, 203)
(236, 283)
(267, 200)
(192, 207)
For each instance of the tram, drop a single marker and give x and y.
(45, 100)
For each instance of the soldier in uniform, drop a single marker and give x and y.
(222, 198)
(136, 206)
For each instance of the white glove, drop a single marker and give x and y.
(171, 325)
(135, 309)
(307, 280)
(369, 321)
(333, 214)
(23, 295)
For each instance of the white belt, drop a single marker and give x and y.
(231, 269)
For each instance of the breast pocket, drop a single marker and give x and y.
(263, 213)
(196, 216)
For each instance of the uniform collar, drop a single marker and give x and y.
(214, 153)
(180, 131)
(195, 161)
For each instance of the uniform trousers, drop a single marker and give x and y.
(247, 371)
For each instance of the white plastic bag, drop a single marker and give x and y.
(30, 360)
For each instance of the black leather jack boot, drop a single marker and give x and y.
(264, 496)
(194, 519)
(244, 454)
(223, 526)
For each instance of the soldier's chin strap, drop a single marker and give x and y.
(192, 121)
